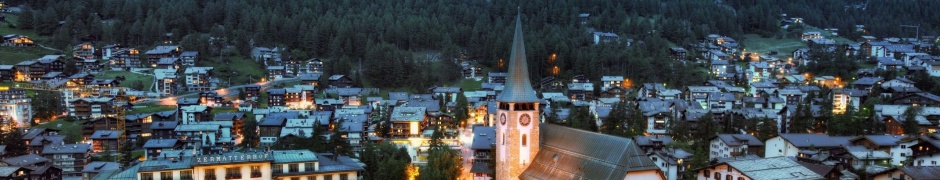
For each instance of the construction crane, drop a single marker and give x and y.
(913, 26)
(119, 109)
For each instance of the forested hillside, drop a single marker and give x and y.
(383, 34)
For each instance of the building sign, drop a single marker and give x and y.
(232, 158)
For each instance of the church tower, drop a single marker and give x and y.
(517, 126)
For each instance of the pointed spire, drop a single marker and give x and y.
(518, 88)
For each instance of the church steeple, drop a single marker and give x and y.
(518, 88)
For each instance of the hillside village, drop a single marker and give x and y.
(110, 111)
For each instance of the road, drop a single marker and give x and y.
(170, 101)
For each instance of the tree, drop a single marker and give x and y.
(461, 111)
(614, 124)
(679, 129)
(384, 161)
(126, 156)
(581, 118)
(25, 20)
(250, 136)
(802, 119)
(443, 162)
(337, 142)
(636, 124)
(46, 105)
(910, 125)
(13, 139)
(766, 129)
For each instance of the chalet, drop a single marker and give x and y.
(605, 37)
(108, 51)
(211, 99)
(899, 50)
(270, 126)
(822, 43)
(678, 53)
(17, 40)
(199, 79)
(166, 83)
(699, 94)
(315, 66)
(470, 71)
(656, 114)
(673, 162)
(167, 51)
(497, 77)
(265, 54)
(106, 141)
(97, 167)
(449, 93)
(89, 66)
(650, 144)
(925, 151)
(909, 172)
(84, 50)
(124, 59)
(252, 91)
(205, 137)
(276, 72)
(894, 145)
(867, 83)
(757, 168)
(408, 121)
(484, 141)
(312, 79)
(31, 166)
(875, 49)
(791, 145)
(276, 97)
(70, 158)
(299, 97)
(163, 129)
(734, 145)
(758, 71)
(35, 144)
(581, 91)
(195, 113)
(169, 63)
(189, 57)
(340, 81)
(717, 55)
(91, 107)
(583, 18)
(237, 119)
(918, 99)
(842, 99)
(7, 73)
(811, 35)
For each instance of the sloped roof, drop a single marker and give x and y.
(737, 139)
(483, 137)
(881, 140)
(98, 166)
(816, 140)
(26, 160)
(773, 168)
(518, 88)
(568, 153)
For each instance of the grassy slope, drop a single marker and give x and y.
(755, 43)
(13, 55)
(71, 130)
(149, 108)
(247, 70)
(130, 78)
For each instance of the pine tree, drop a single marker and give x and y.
(614, 123)
(249, 129)
(443, 162)
(910, 125)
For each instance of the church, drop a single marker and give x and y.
(528, 149)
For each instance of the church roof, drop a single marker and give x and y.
(518, 88)
(568, 153)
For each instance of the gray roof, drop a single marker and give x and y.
(773, 168)
(106, 134)
(291, 156)
(163, 125)
(736, 139)
(816, 140)
(160, 143)
(54, 139)
(648, 140)
(98, 166)
(483, 138)
(197, 127)
(67, 149)
(568, 153)
(6, 171)
(867, 81)
(26, 160)
(228, 116)
(518, 88)
(408, 114)
(161, 49)
(341, 163)
(881, 140)
(159, 164)
(921, 172)
(481, 167)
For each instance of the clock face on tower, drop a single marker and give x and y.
(502, 119)
(525, 120)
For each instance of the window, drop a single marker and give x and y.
(706, 173)
(255, 171)
(729, 169)
(311, 177)
(146, 176)
(233, 173)
(210, 174)
(344, 177)
(293, 168)
(728, 177)
(326, 177)
(740, 178)
(524, 137)
(166, 175)
(933, 162)
(308, 167)
(717, 176)
(902, 154)
(903, 146)
(295, 178)
(278, 168)
(186, 175)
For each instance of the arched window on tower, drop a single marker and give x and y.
(524, 139)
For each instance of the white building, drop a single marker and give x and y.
(757, 168)
(15, 109)
(671, 161)
(732, 145)
(790, 145)
(288, 164)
